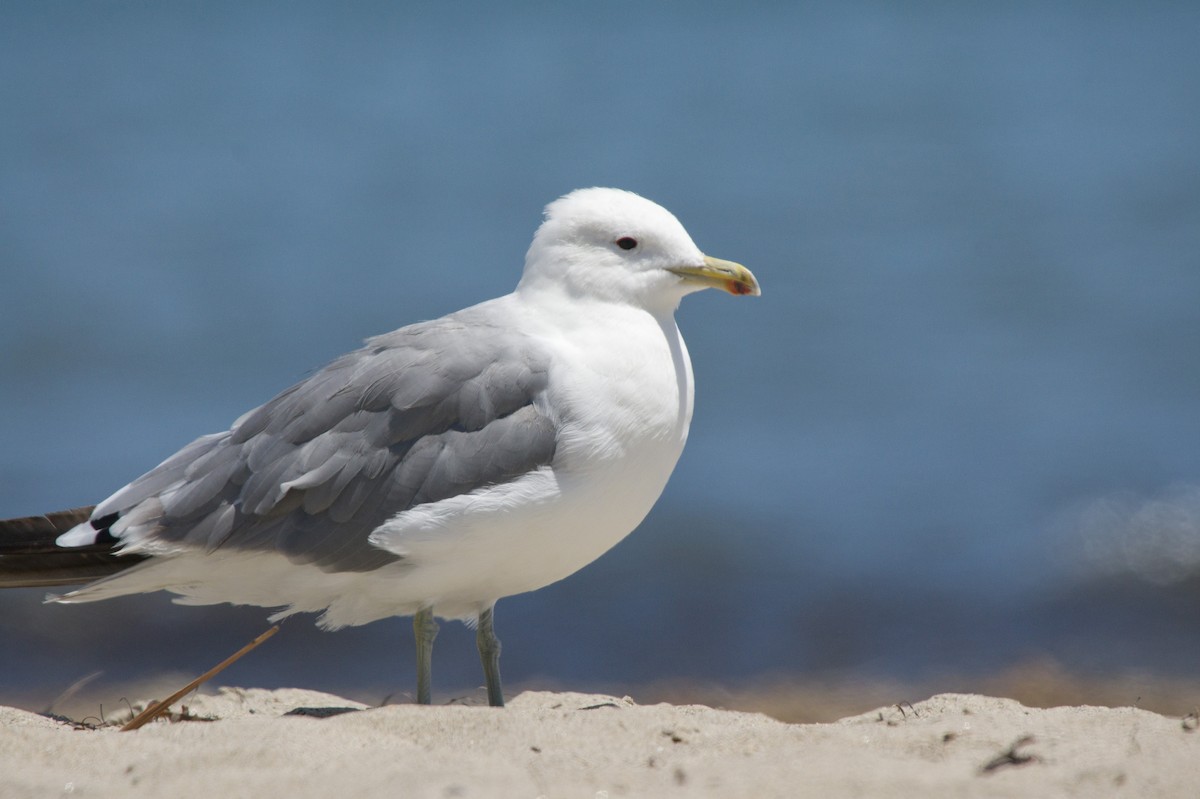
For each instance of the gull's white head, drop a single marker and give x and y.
(614, 245)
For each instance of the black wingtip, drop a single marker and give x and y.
(30, 556)
(102, 525)
(30, 534)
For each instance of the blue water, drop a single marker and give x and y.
(959, 430)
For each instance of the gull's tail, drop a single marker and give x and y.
(30, 556)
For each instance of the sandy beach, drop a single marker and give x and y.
(296, 743)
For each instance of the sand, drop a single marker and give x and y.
(588, 745)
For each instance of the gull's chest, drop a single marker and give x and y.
(623, 389)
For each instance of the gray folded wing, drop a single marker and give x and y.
(425, 413)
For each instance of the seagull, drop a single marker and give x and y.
(439, 468)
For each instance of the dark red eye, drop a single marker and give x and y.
(626, 243)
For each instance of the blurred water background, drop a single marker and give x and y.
(959, 431)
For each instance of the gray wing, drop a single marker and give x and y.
(422, 414)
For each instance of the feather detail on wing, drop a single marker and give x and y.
(422, 414)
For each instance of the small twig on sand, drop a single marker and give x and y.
(1010, 756)
(156, 709)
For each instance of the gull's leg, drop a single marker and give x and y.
(489, 655)
(425, 629)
